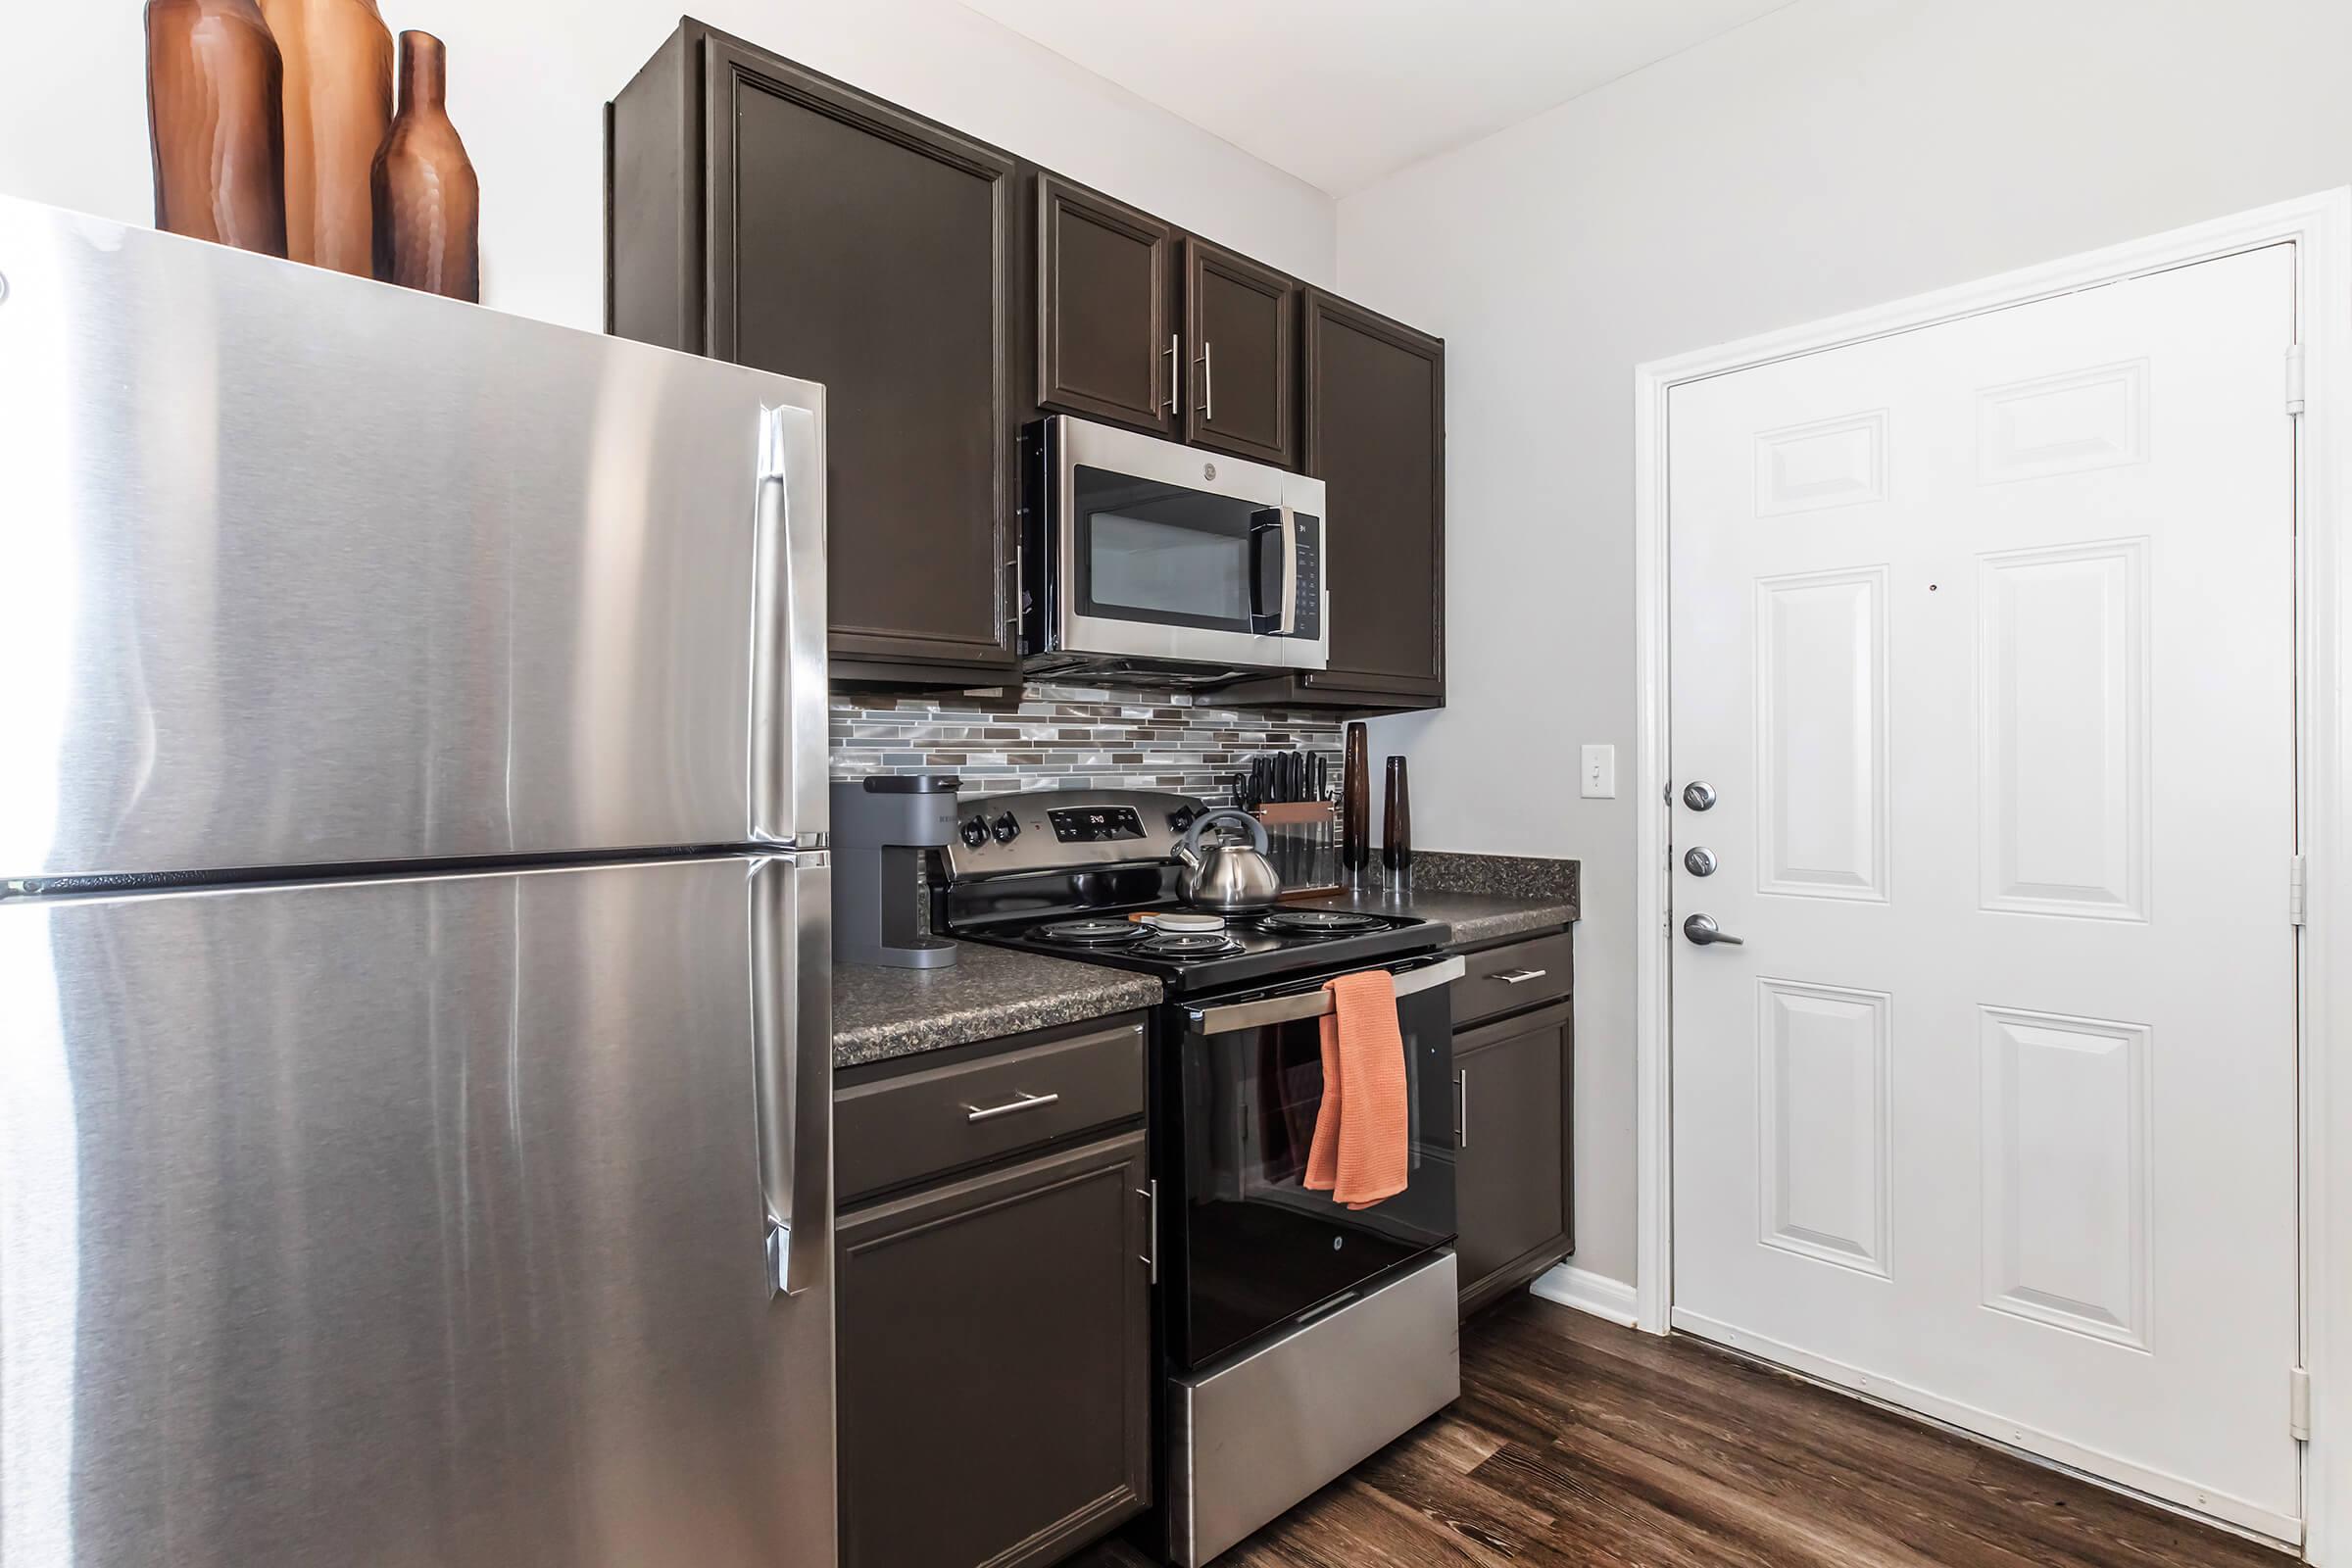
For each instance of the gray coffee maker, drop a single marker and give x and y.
(883, 828)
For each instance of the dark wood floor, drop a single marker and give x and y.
(1577, 1442)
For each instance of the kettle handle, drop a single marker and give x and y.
(1257, 829)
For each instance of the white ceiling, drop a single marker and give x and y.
(1342, 93)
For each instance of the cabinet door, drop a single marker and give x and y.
(1241, 344)
(1512, 1085)
(858, 245)
(1107, 344)
(994, 1364)
(1376, 436)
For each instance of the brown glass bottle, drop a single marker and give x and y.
(1355, 800)
(338, 108)
(427, 201)
(214, 78)
(1396, 823)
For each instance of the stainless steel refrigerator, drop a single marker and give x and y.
(414, 1030)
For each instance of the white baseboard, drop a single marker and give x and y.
(2102, 1469)
(1587, 1291)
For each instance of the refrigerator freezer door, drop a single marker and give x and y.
(302, 570)
(409, 1221)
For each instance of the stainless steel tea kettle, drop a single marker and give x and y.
(1228, 878)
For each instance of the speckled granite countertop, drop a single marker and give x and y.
(1485, 898)
(1476, 917)
(992, 991)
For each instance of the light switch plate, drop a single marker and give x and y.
(1600, 772)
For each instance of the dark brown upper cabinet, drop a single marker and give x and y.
(1376, 436)
(765, 213)
(1374, 431)
(1107, 347)
(1241, 326)
(760, 212)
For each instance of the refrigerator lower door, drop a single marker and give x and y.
(304, 571)
(414, 1221)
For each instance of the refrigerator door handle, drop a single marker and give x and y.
(792, 1027)
(789, 728)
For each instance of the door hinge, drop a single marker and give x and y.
(2294, 890)
(2294, 382)
(2298, 1404)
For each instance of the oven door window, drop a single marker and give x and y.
(1171, 557)
(1259, 1248)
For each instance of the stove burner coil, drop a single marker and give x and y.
(1320, 924)
(1091, 933)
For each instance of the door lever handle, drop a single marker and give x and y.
(1703, 932)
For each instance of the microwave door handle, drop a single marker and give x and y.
(1270, 528)
(1315, 1003)
(1290, 574)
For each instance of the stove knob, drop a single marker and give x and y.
(1006, 828)
(1182, 818)
(973, 833)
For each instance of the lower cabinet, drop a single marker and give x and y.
(994, 1362)
(1513, 1081)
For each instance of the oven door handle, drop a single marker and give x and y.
(1314, 1004)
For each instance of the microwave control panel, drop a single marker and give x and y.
(1307, 623)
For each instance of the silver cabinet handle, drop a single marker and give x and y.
(1010, 1108)
(1703, 932)
(1461, 1132)
(1175, 351)
(1519, 977)
(1313, 1003)
(1151, 1257)
(1208, 383)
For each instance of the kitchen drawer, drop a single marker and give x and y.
(892, 1131)
(1519, 974)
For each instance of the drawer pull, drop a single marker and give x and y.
(1010, 1108)
(1520, 977)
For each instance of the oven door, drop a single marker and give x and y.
(1163, 553)
(1253, 1251)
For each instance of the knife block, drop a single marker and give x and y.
(1302, 839)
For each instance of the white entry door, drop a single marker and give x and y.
(1983, 635)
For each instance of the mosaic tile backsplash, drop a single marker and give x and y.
(1069, 737)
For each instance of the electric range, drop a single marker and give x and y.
(1296, 1335)
(1217, 952)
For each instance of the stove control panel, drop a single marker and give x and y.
(1061, 830)
(1096, 824)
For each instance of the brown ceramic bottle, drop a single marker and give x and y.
(338, 106)
(214, 78)
(427, 201)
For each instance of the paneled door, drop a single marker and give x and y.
(1982, 720)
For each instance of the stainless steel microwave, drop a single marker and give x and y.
(1149, 556)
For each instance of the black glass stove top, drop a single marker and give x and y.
(1248, 946)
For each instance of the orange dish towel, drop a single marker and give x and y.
(1360, 1151)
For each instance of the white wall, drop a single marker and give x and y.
(528, 79)
(1831, 155)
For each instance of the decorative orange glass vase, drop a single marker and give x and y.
(338, 109)
(214, 80)
(428, 200)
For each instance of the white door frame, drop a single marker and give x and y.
(2320, 227)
